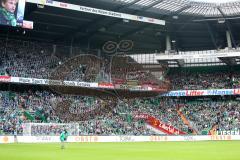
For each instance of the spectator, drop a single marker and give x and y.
(7, 11)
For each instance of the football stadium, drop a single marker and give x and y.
(119, 79)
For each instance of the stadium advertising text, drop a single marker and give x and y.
(98, 11)
(126, 139)
(217, 54)
(221, 137)
(86, 139)
(105, 85)
(92, 139)
(5, 78)
(158, 138)
(182, 93)
(231, 132)
(43, 138)
(48, 82)
(179, 93)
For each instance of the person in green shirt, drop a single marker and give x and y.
(63, 138)
(7, 11)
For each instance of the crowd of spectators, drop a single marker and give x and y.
(33, 60)
(193, 81)
(36, 60)
(105, 115)
(111, 116)
(95, 115)
(206, 114)
(230, 119)
(124, 69)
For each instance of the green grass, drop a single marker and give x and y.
(214, 150)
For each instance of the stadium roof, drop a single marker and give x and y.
(187, 23)
(207, 8)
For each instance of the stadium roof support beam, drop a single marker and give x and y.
(168, 43)
(229, 41)
(146, 25)
(180, 62)
(176, 45)
(210, 31)
(99, 19)
(229, 27)
(229, 61)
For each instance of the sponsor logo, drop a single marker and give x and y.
(5, 78)
(43, 138)
(50, 1)
(188, 138)
(86, 139)
(25, 80)
(64, 5)
(5, 139)
(82, 84)
(236, 91)
(202, 92)
(123, 86)
(106, 85)
(195, 93)
(55, 82)
(158, 138)
(231, 132)
(220, 138)
(126, 139)
(150, 20)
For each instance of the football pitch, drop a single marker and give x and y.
(214, 150)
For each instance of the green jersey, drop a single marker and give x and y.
(7, 18)
(63, 136)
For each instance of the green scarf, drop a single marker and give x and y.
(9, 16)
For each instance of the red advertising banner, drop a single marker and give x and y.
(156, 123)
(105, 85)
(5, 78)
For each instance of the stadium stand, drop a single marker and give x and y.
(119, 71)
(200, 80)
(39, 106)
(107, 115)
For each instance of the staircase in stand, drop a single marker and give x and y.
(212, 131)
